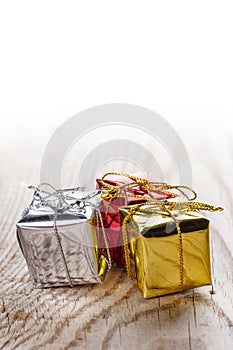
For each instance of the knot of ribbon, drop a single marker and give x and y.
(163, 207)
(64, 201)
(149, 187)
(60, 200)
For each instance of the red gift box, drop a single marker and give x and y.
(124, 190)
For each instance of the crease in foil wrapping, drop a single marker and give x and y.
(154, 246)
(78, 239)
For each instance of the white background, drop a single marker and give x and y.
(60, 57)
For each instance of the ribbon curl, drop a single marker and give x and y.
(114, 191)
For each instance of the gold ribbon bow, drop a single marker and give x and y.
(114, 191)
(163, 207)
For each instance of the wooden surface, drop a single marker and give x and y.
(114, 315)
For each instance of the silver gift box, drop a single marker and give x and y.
(62, 250)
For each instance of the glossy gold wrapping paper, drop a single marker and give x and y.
(154, 261)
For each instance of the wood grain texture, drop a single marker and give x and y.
(114, 315)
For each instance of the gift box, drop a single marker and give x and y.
(167, 250)
(122, 190)
(59, 240)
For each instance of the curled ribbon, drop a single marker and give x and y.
(60, 201)
(114, 191)
(160, 207)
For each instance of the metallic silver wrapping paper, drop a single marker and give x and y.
(77, 235)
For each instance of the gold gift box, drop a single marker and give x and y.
(155, 252)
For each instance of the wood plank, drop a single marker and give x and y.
(114, 315)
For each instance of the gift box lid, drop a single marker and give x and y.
(38, 219)
(118, 179)
(160, 225)
(80, 207)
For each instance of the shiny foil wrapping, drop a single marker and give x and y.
(110, 213)
(154, 247)
(78, 239)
